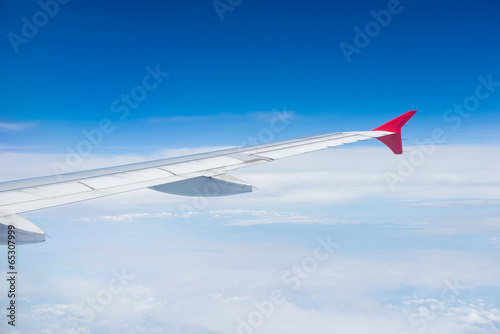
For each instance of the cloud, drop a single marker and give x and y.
(204, 286)
(129, 216)
(256, 115)
(275, 114)
(230, 217)
(20, 147)
(194, 118)
(446, 204)
(469, 316)
(17, 126)
(241, 217)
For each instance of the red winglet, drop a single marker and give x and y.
(394, 141)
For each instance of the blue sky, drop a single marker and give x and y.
(406, 226)
(261, 56)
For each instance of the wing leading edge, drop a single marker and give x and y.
(196, 175)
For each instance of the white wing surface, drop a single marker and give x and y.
(195, 175)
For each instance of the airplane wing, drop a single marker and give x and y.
(195, 175)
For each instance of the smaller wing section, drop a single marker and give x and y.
(25, 231)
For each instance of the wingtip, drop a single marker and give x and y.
(395, 125)
(393, 141)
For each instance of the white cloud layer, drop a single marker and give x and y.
(207, 286)
(16, 126)
(204, 272)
